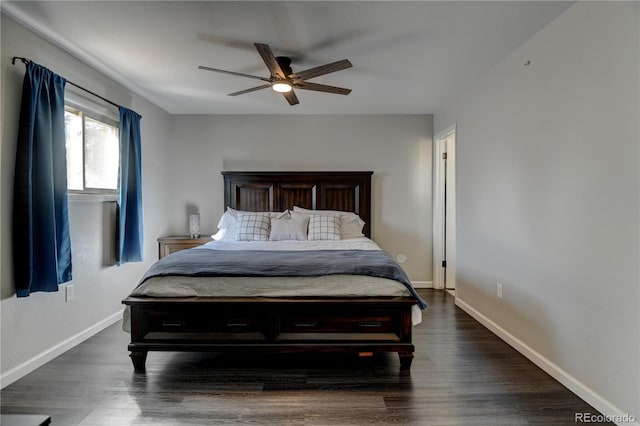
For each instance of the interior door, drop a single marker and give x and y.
(444, 214)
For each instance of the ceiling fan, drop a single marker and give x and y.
(284, 80)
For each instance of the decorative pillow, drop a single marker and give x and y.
(294, 228)
(324, 227)
(253, 226)
(228, 224)
(351, 227)
(351, 224)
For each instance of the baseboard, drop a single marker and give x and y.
(574, 385)
(422, 284)
(39, 360)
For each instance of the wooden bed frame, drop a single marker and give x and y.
(250, 324)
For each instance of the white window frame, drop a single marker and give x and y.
(102, 113)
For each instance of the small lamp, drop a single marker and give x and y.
(194, 225)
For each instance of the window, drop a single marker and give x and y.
(93, 151)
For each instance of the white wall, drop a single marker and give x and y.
(34, 328)
(396, 148)
(182, 160)
(548, 199)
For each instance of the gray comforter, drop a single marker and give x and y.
(262, 263)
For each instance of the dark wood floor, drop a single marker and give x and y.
(462, 375)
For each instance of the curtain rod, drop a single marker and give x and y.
(26, 61)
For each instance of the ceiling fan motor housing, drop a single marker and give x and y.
(285, 65)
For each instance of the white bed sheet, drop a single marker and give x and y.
(361, 243)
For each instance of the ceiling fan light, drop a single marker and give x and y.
(281, 87)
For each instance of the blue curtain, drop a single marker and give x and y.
(41, 242)
(130, 239)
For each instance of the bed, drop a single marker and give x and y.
(339, 309)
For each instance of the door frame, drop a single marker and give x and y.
(444, 209)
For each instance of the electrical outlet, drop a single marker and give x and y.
(499, 290)
(69, 293)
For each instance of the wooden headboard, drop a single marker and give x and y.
(278, 191)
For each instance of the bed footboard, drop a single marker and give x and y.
(359, 326)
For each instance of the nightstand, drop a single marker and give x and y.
(168, 245)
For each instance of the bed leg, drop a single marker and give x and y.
(138, 358)
(405, 360)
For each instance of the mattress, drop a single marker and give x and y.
(248, 286)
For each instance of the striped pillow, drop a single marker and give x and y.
(324, 227)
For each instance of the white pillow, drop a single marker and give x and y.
(293, 228)
(279, 215)
(228, 218)
(324, 227)
(227, 226)
(253, 226)
(333, 212)
(351, 224)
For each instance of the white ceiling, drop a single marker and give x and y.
(408, 57)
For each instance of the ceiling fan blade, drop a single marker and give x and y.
(233, 73)
(253, 89)
(322, 88)
(291, 98)
(322, 70)
(270, 60)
